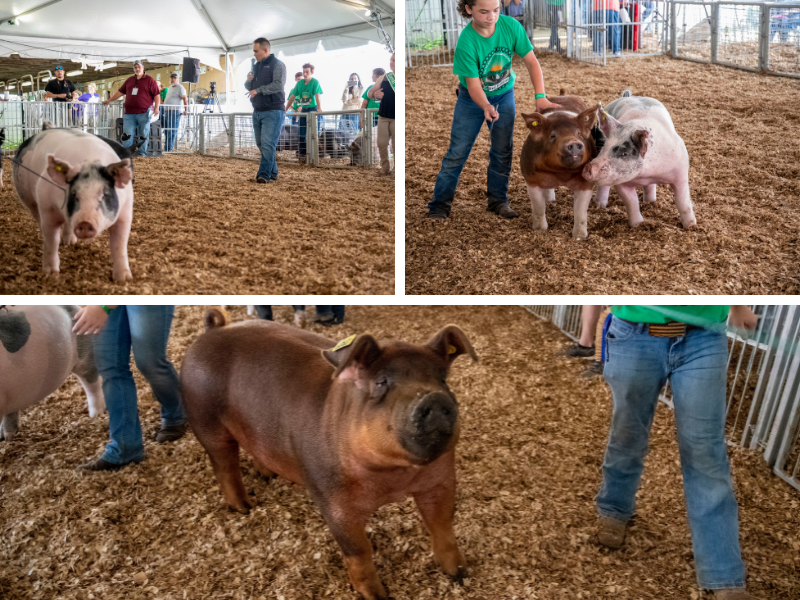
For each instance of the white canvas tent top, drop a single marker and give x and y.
(165, 31)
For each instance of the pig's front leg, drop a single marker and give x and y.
(120, 232)
(50, 225)
(68, 234)
(601, 197)
(437, 507)
(348, 526)
(9, 426)
(551, 195)
(538, 198)
(631, 200)
(650, 193)
(683, 202)
(582, 200)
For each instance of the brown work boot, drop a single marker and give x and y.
(732, 594)
(170, 433)
(611, 533)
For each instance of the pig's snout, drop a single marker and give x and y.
(575, 148)
(431, 424)
(85, 230)
(591, 171)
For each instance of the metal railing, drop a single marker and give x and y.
(330, 138)
(763, 396)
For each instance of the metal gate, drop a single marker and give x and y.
(432, 28)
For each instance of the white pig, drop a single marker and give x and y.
(38, 351)
(641, 148)
(93, 192)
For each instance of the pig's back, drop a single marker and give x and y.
(639, 108)
(41, 359)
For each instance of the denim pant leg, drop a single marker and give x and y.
(150, 327)
(264, 312)
(257, 134)
(699, 384)
(468, 118)
(298, 307)
(338, 313)
(501, 152)
(636, 369)
(128, 130)
(112, 351)
(143, 130)
(271, 132)
(614, 30)
(324, 312)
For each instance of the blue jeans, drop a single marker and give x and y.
(468, 119)
(170, 122)
(265, 311)
(145, 329)
(614, 29)
(326, 313)
(302, 128)
(637, 367)
(136, 126)
(267, 126)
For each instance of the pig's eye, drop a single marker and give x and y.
(381, 384)
(553, 135)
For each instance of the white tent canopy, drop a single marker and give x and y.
(165, 31)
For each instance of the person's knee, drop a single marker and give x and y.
(153, 367)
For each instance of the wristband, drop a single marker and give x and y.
(539, 96)
(105, 308)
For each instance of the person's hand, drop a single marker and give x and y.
(184, 112)
(378, 94)
(253, 93)
(742, 317)
(544, 103)
(106, 102)
(491, 114)
(89, 320)
(250, 76)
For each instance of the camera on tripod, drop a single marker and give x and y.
(213, 87)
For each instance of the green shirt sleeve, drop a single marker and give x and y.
(466, 62)
(522, 45)
(294, 89)
(366, 91)
(317, 88)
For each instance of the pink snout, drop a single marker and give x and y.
(85, 230)
(591, 171)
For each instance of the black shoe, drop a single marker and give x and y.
(99, 465)
(577, 351)
(505, 211)
(595, 369)
(170, 433)
(437, 216)
(326, 322)
(260, 180)
(275, 179)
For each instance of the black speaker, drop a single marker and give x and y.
(191, 70)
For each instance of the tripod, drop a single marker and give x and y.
(211, 101)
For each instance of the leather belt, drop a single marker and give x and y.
(668, 330)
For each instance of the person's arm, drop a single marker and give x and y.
(157, 104)
(278, 82)
(319, 102)
(248, 84)
(537, 79)
(289, 103)
(91, 319)
(185, 99)
(507, 2)
(478, 96)
(364, 104)
(376, 87)
(741, 317)
(345, 94)
(117, 94)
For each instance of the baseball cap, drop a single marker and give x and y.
(174, 74)
(58, 67)
(137, 62)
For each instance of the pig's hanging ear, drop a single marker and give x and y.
(607, 123)
(61, 172)
(120, 172)
(352, 354)
(641, 139)
(534, 122)
(588, 119)
(450, 343)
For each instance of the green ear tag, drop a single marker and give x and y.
(452, 349)
(344, 343)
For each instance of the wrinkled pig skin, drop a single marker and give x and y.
(360, 427)
(38, 351)
(94, 193)
(641, 148)
(558, 145)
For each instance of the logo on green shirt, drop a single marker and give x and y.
(495, 70)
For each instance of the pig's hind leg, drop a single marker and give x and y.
(683, 202)
(650, 193)
(86, 372)
(631, 200)
(601, 197)
(9, 426)
(223, 450)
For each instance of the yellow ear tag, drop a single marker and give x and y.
(59, 168)
(452, 349)
(535, 123)
(344, 343)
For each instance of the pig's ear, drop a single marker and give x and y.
(607, 123)
(60, 171)
(641, 139)
(588, 119)
(450, 343)
(534, 122)
(120, 172)
(359, 354)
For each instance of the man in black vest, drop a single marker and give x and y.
(265, 84)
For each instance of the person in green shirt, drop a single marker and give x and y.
(646, 346)
(486, 95)
(297, 77)
(371, 102)
(554, 8)
(306, 92)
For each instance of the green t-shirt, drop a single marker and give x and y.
(304, 94)
(691, 314)
(371, 102)
(164, 94)
(490, 58)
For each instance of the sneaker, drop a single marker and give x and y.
(617, 54)
(611, 533)
(437, 216)
(505, 211)
(261, 180)
(595, 369)
(732, 594)
(577, 351)
(99, 465)
(170, 433)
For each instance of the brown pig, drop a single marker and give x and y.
(558, 146)
(361, 424)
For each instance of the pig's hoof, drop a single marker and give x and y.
(243, 508)
(461, 574)
(635, 223)
(691, 223)
(579, 235)
(123, 275)
(50, 273)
